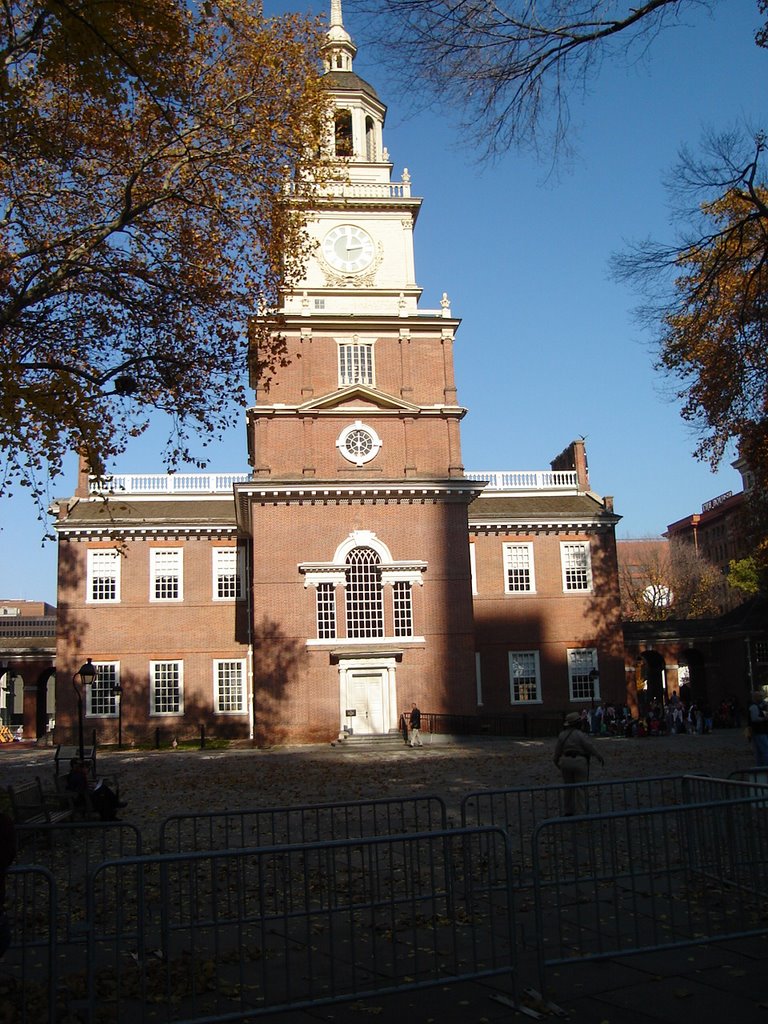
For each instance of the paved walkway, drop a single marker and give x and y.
(708, 985)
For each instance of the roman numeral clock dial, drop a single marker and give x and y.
(348, 248)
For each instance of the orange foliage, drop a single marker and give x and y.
(145, 150)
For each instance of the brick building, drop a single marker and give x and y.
(356, 567)
(27, 675)
(713, 659)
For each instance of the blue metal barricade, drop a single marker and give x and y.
(70, 850)
(519, 810)
(30, 966)
(236, 934)
(614, 884)
(275, 826)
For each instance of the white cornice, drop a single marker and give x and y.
(84, 530)
(331, 492)
(564, 525)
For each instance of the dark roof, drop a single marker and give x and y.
(538, 507)
(348, 81)
(117, 512)
(749, 619)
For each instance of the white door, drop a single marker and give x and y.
(365, 695)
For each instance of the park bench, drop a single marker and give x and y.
(64, 755)
(30, 805)
(83, 808)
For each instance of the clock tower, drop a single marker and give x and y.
(357, 505)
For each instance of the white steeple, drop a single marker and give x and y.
(339, 50)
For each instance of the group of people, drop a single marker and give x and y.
(680, 714)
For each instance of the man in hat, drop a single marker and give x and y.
(572, 755)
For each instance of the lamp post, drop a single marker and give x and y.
(86, 673)
(117, 692)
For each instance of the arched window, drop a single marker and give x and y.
(343, 133)
(365, 609)
(370, 139)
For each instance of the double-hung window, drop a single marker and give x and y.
(103, 575)
(101, 695)
(524, 677)
(229, 686)
(583, 680)
(166, 568)
(166, 688)
(402, 608)
(326, 611)
(576, 565)
(519, 576)
(227, 574)
(355, 363)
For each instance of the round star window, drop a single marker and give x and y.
(359, 443)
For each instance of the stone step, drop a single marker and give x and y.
(387, 740)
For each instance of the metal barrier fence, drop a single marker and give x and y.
(627, 882)
(519, 810)
(276, 826)
(30, 966)
(237, 934)
(70, 851)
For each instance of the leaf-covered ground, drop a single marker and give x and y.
(157, 784)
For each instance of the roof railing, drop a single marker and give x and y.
(222, 483)
(527, 479)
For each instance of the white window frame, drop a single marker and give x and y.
(473, 566)
(518, 660)
(221, 562)
(509, 548)
(155, 571)
(217, 680)
(153, 666)
(359, 458)
(325, 610)
(110, 571)
(402, 608)
(581, 661)
(568, 564)
(358, 353)
(102, 668)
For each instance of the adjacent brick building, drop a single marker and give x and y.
(356, 567)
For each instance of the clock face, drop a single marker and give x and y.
(348, 248)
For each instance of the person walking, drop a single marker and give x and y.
(415, 740)
(573, 752)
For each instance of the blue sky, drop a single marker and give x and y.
(548, 349)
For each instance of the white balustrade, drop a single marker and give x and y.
(221, 483)
(527, 479)
(166, 483)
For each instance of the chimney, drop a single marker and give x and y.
(574, 457)
(83, 476)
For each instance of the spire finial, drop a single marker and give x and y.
(339, 50)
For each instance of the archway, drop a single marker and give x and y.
(692, 674)
(45, 702)
(651, 680)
